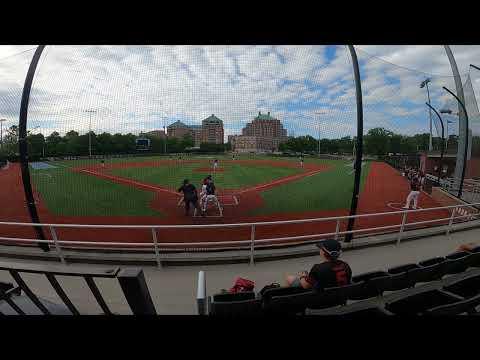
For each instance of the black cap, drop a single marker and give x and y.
(331, 246)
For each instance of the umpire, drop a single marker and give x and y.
(189, 195)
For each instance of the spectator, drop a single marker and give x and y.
(329, 273)
(468, 246)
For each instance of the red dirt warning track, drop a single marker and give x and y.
(384, 184)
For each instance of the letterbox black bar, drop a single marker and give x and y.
(23, 149)
(359, 144)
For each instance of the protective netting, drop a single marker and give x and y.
(114, 130)
(103, 111)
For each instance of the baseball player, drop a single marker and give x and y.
(203, 192)
(215, 164)
(301, 161)
(210, 196)
(415, 186)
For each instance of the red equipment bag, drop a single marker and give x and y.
(241, 285)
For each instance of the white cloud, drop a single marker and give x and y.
(133, 88)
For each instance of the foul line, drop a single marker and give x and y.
(133, 182)
(280, 181)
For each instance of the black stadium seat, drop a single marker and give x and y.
(348, 292)
(401, 279)
(359, 309)
(429, 270)
(474, 259)
(457, 308)
(289, 304)
(243, 303)
(370, 288)
(244, 295)
(457, 262)
(418, 302)
(466, 287)
(267, 295)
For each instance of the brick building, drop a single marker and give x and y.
(211, 131)
(264, 134)
(157, 133)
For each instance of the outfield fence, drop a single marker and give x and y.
(457, 213)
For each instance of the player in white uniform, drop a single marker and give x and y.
(210, 196)
(415, 186)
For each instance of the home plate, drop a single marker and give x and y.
(225, 200)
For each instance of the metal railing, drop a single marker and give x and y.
(251, 243)
(131, 281)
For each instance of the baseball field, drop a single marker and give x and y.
(143, 191)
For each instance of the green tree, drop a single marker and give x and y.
(377, 141)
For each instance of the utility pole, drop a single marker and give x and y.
(165, 142)
(318, 123)
(422, 85)
(90, 131)
(1, 133)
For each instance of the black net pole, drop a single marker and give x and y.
(359, 144)
(460, 188)
(23, 148)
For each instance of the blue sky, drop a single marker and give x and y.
(137, 88)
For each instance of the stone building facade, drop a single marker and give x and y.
(211, 131)
(264, 134)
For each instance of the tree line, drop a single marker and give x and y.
(376, 142)
(74, 144)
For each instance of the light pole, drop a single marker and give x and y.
(318, 122)
(90, 131)
(1, 133)
(165, 141)
(449, 112)
(442, 148)
(423, 84)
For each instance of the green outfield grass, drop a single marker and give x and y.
(74, 194)
(234, 176)
(329, 190)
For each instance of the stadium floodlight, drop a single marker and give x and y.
(318, 120)
(1, 133)
(423, 84)
(90, 111)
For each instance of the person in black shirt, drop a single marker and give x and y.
(189, 195)
(331, 272)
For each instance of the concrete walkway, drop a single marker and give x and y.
(173, 289)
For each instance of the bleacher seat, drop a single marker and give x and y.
(370, 288)
(457, 262)
(232, 305)
(359, 309)
(401, 279)
(464, 306)
(290, 304)
(474, 259)
(267, 295)
(240, 296)
(417, 302)
(467, 287)
(429, 270)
